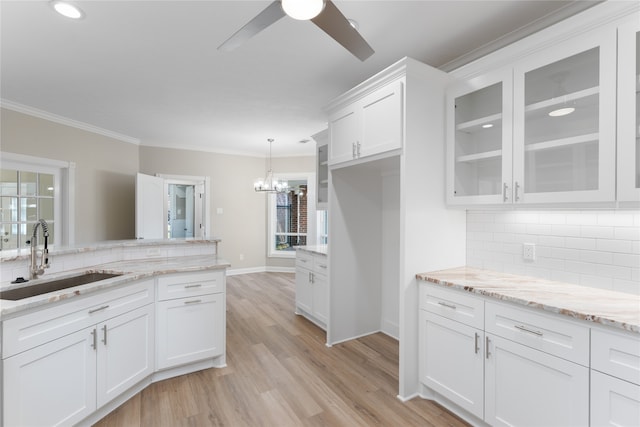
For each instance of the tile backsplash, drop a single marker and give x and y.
(595, 248)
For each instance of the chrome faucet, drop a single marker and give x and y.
(35, 270)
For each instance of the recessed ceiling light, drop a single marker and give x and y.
(303, 141)
(561, 112)
(487, 125)
(67, 9)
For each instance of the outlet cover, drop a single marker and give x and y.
(529, 251)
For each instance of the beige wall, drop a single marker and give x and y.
(105, 171)
(105, 183)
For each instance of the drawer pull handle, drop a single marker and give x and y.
(525, 329)
(193, 301)
(477, 342)
(322, 266)
(444, 304)
(95, 310)
(303, 260)
(193, 286)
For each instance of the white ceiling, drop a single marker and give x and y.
(151, 71)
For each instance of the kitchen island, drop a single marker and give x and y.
(502, 349)
(71, 356)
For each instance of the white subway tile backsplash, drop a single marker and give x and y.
(596, 248)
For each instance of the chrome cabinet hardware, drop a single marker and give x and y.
(517, 192)
(94, 335)
(486, 347)
(358, 149)
(477, 344)
(322, 266)
(525, 329)
(505, 187)
(444, 304)
(353, 150)
(193, 301)
(104, 334)
(193, 286)
(95, 310)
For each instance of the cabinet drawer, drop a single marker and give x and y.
(616, 354)
(304, 259)
(543, 332)
(36, 328)
(453, 304)
(320, 264)
(191, 284)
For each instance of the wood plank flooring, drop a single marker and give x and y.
(280, 373)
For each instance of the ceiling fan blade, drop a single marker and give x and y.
(334, 23)
(271, 14)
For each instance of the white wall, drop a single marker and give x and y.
(596, 248)
(390, 312)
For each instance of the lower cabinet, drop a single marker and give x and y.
(614, 402)
(312, 291)
(191, 318)
(527, 387)
(65, 380)
(503, 365)
(452, 360)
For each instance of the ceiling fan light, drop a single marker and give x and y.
(67, 9)
(302, 9)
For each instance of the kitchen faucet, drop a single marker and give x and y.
(36, 270)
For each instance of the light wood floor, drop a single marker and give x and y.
(280, 373)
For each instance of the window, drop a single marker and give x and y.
(32, 189)
(290, 225)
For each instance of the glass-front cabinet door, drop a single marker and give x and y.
(629, 111)
(564, 122)
(479, 124)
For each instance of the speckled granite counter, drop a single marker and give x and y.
(316, 249)
(616, 309)
(130, 271)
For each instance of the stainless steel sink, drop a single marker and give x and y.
(54, 285)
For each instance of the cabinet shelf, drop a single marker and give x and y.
(562, 142)
(574, 96)
(324, 163)
(476, 124)
(324, 182)
(479, 156)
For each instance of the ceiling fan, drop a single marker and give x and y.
(323, 13)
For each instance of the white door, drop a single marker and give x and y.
(344, 130)
(526, 387)
(150, 221)
(614, 402)
(52, 384)
(125, 352)
(382, 123)
(304, 293)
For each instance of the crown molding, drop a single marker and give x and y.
(35, 112)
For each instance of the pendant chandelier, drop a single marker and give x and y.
(270, 184)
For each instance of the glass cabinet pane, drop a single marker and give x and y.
(561, 135)
(478, 142)
(637, 127)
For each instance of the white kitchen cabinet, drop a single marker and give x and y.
(614, 402)
(62, 379)
(52, 384)
(190, 318)
(368, 126)
(125, 352)
(527, 387)
(479, 140)
(569, 89)
(322, 169)
(452, 361)
(312, 287)
(629, 111)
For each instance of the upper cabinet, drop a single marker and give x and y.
(479, 129)
(322, 169)
(368, 126)
(564, 122)
(629, 111)
(545, 129)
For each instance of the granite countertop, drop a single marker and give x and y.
(130, 271)
(316, 249)
(109, 244)
(616, 309)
